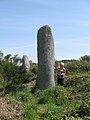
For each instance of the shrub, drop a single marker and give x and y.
(55, 95)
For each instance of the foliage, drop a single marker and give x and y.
(78, 66)
(29, 104)
(56, 95)
(12, 76)
(68, 102)
(85, 58)
(29, 112)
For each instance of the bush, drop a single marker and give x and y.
(56, 95)
(29, 112)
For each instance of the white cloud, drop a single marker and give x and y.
(19, 47)
(72, 48)
(81, 39)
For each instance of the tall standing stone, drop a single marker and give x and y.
(46, 59)
(25, 63)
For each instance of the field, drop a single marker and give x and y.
(19, 101)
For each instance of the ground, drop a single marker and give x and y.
(9, 108)
(12, 108)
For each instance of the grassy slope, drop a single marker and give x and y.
(70, 102)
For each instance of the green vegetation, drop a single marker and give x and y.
(68, 102)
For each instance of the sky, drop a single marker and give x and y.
(68, 19)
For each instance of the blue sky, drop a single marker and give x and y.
(68, 19)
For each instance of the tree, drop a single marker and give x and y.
(85, 58)
(1, 55)
(7, 58)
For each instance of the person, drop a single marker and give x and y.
(61, 74)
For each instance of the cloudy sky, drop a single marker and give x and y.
(68, 19)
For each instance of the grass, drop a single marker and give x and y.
(70, 102)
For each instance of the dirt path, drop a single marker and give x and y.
(30, 84)
(9, 108)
